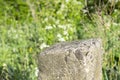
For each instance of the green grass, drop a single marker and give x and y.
(20, 43)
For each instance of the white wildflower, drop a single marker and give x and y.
(65, 32)
(40, 39)
(46, 19)
(62, 26)
(59, 35)
(43, 45)
(4, 65)
(48, 27)
(85, 11)
(115, 24)
(57, 21)
(16, 36)
(14, 49)
(61, 39)
(67, 0)
(62, 7)
(36, 71)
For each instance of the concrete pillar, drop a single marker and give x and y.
(76, 60)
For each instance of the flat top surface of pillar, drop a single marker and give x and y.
(63, 46)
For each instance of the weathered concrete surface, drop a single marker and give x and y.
(77, 60)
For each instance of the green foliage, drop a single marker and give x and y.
(28, 26)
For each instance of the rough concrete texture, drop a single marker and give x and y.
(76, 60)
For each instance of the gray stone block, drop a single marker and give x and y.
(76, 60)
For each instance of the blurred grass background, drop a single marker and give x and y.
(29, 26)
